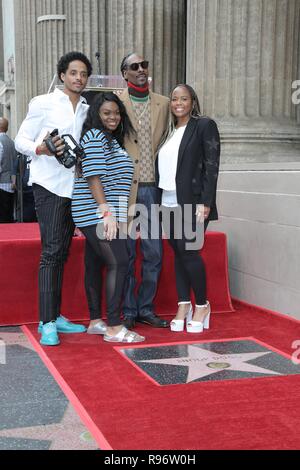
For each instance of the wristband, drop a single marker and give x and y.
(106, 214)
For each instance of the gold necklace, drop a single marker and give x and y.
(139, 116)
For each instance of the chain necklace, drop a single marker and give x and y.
(139, 116)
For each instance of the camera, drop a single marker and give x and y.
(70, 155)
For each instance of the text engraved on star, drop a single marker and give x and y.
(202, 363)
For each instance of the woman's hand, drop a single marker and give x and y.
(202, 212)
(110, 227)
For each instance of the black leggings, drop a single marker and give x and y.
(112, 254)
(189, 266)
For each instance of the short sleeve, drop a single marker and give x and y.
(94, 160)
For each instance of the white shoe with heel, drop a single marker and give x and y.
(178, 325)
(194, 326)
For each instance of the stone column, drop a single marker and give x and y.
(1, 48)
(26, 56)
(40, 41)
(154, 28)
(242, 57)
(50, 26)
(46, 29)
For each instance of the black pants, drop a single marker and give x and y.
(114, 255)
(28, 214)
(6, 207)
(56, 227)
(189, 267)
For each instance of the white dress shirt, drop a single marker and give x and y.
(48, 112)
(167, 167)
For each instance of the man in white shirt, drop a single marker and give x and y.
(52, 184)
(8, 156)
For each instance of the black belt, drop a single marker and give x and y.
(146, 184)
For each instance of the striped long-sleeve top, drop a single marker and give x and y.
(114, 167)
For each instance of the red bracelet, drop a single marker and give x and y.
(106, 214)
(38, 151)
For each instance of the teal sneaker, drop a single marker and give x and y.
(40, 328)
(49, 335)
(63, 325)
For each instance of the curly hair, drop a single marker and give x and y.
(65, 60)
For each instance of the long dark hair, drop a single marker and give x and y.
(93, 121)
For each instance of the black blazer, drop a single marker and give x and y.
(198, 165)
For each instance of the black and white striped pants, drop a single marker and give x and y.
(56, 227)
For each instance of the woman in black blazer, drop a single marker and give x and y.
(187, 173)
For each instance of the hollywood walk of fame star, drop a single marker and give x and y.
(202, 363)
(68, 434)
(13, 339)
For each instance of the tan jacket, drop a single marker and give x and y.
(159, 121)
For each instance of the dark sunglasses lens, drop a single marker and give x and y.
(135, 65)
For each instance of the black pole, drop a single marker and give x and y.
(97, 55)
(20, 175)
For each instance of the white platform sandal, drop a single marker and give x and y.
(178, 325)
(198, 326)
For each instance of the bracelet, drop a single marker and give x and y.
(38, 151)
(106, 214)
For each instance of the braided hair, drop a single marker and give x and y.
(124, 63)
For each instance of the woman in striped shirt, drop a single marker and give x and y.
(99, 209)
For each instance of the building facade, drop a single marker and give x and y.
(242, 57)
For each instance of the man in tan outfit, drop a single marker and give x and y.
(148, 113)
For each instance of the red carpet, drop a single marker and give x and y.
(19, 260)
(125, 410)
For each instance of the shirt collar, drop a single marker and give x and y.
(63, 96)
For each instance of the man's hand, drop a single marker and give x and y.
(42, 149)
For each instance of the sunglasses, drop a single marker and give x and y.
(135, 66)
